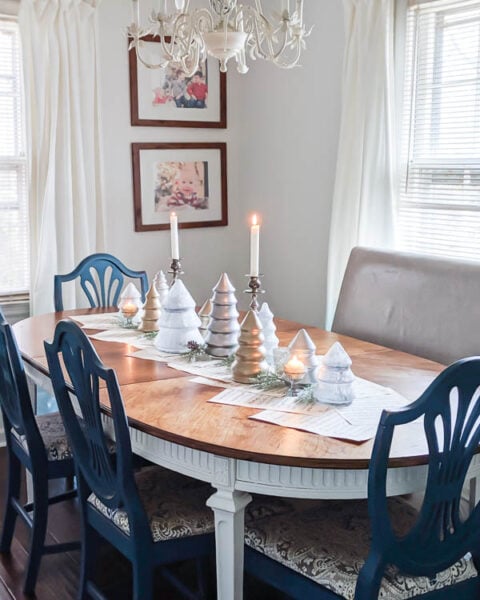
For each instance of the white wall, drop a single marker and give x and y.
(281, 139)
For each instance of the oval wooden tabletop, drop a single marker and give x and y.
(165, 403)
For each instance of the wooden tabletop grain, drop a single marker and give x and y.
(164, 402)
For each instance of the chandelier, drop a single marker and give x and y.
(225, 29)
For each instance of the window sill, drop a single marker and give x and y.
(15, 307)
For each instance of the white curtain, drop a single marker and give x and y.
(63, 133)
(364, 197)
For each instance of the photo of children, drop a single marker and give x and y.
(180, 91)
(181, 185)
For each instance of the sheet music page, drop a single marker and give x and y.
(357, 421)
(125, 336)
(212, 369)
(268, 399)
(329, 424)
(98, 321)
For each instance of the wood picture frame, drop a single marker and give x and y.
(187, 178)
(152, 99)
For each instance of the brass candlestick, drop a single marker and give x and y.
(175, 270)
(254, 288)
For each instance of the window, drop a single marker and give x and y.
(439, 206)
(14, 246)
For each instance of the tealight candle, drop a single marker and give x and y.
(174, 236)
(129, 310)
(294, 368)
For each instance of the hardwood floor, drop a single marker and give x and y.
(58, 578)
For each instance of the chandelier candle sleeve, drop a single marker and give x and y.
(174, 236)
(136, 12)
(254, 247)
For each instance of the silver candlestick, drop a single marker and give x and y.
(254, 289)
(175, 270)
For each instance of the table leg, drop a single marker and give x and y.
(229, 509)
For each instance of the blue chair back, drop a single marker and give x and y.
(450, 408)
(15, 400)
(109, 476)
(101, 279)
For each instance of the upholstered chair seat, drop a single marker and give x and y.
(329, 544)
(53, 435)
(171, 515)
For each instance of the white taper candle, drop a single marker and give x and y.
(174, 235)
(254, 246)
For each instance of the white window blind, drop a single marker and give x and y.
(439, 205)
(14, 245)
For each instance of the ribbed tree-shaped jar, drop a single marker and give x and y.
(223, 328)
(151, 311)
(178, 322)
(250, 356)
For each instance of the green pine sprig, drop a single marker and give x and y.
(267, 380)
(195, 352)
(150, 335)
(306, 397)
(228, 361)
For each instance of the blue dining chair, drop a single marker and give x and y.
(387, 549)
(101, 278)
(40, 446)
(154, 517)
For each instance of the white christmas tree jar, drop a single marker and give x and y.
(179, 323)
(334, 377)
(271, 340)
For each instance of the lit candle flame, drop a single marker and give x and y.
(254, 220)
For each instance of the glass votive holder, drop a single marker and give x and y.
(129, 306)
(294, 370)
(129, 312)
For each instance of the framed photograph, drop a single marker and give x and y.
(167, 98)
(189, 179)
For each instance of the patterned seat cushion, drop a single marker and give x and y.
(329, 544)
(175, 505)
(54, 437)
(53, 434)
(263, 507)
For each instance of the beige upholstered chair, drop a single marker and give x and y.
(423, 305)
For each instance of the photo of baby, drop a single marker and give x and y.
(181, 185)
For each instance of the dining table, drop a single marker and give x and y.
(173, 424)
